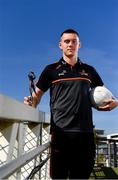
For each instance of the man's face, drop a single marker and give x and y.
(69, 44)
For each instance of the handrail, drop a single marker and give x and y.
(9, 168)
(37, 168)
(13, 110)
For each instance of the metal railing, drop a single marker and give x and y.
(106, 151)
(24, 141)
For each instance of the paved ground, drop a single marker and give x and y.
(104, 173)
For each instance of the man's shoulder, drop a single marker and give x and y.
(85, 64)
(53, 65)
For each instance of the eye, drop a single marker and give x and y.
(74, 41)
(67, 41)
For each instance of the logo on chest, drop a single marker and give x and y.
(83, 73)
(62, 73)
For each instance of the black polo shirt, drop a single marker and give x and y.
(69, 94)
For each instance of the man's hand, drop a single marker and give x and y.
(34, 99)
(28, 100)
(110, 104)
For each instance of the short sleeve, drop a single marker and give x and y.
(96, 79)
(44, 81)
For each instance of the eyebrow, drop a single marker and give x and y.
(69, 39)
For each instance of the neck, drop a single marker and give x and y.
(70, 60)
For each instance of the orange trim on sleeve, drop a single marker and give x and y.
(68, 79)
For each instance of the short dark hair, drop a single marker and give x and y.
(70, 31)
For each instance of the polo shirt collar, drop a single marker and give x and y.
(62, 61)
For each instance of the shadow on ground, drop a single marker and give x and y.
(104, 173)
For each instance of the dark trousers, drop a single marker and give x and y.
(72, 155)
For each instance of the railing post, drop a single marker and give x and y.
(21, 142)
(115, 154)
(13, 136)
(109, 153)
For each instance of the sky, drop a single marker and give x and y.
(29, 37)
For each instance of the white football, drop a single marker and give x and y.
(99, 94)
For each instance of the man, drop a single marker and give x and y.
(70, 80)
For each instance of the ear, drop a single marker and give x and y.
(60, 45)
(79, 45)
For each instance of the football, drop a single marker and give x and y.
(98, 95)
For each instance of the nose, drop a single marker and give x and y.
(70, 43)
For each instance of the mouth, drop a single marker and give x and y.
(70, 49)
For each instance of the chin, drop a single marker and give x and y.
(70, 55)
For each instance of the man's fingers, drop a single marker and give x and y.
(28, 100)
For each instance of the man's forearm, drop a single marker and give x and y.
(36, 97)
